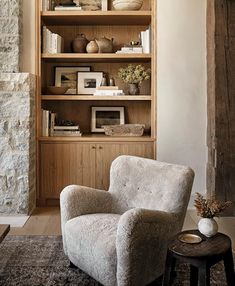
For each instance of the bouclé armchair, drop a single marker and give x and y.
(120, 237)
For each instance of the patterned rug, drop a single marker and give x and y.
(40, 261)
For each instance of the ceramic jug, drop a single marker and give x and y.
(79, 44)
(92, 47)
(105, 45)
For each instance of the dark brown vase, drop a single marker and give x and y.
(79, 44)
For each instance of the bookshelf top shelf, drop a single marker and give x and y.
(73, 57)
(93, 97)
(60, 18)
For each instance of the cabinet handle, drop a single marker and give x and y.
(93, 147)
(100, 147)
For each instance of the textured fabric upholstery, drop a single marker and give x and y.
(120, 237)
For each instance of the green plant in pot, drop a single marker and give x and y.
(134, 75)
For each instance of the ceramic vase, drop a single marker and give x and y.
(134, 89)
(79, 44)
(208, 227)
(92, 47)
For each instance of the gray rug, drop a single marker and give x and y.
(40, 261)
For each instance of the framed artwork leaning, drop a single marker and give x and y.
(67, 77)
(87, 82)
(106, 115)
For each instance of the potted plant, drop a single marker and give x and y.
(207, 209)
(134, 76)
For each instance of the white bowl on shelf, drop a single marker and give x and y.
(127, 5)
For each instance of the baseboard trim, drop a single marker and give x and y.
(14, 221)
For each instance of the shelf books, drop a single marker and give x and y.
(45, 5)
(145, 37)
(108, 91)
(52, 43)
(131, 50)
(68, 8)
(67, 131)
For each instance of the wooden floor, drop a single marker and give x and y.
(46, 221)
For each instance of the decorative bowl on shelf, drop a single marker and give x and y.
(124, 130)
(57, 90)
(127, 5)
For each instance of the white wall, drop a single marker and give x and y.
(181, 105)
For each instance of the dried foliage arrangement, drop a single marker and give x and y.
(209, 208)
(134, 74)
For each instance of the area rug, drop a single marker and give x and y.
(40, 261)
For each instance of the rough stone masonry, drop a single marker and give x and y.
(17, 118)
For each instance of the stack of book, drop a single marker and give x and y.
(52, 43)
(49, 127)
(108, 91)
(131, 49)
(73, 7)
(66, 131)
(145, 37)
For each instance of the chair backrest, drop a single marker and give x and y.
(143, 183)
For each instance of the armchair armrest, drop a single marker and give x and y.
(141, 244)
(79, 200)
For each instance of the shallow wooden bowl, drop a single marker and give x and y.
(57, 90)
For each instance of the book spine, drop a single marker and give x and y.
(48, 41)
(53, 43)
(52, 125)
(59, 44)
(47, 112)
(44, 41)
(104, 5)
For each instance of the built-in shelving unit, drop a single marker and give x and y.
(86, 160)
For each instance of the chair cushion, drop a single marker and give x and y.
(91, 243)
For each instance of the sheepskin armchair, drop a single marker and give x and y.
(120, 236)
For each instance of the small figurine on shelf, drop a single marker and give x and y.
(134, 76)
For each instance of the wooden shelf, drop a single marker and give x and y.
(97, 138)
(93, 97)
(61, 18)
(72, 57)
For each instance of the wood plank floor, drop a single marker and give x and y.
(46, 221)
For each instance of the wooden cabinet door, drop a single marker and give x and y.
(65, 164)
(107, 152)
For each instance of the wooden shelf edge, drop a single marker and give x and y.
(96, 138)
(96, 13)
(95, 56)
(93, 97)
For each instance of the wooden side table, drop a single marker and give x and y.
(201, 257)
(4, 229)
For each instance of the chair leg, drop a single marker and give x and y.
(71, 265)
(229, 268)
(193, 276)
(204, 275)
(169, 270)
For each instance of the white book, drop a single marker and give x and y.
(130, 49)
(48, 41)
(68, 8)
(147, 38)
(67, 133)
(104, 5)
(66, 127)
(45, 122)
(109, 92)
(52, 124)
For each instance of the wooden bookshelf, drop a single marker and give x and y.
(86, 160)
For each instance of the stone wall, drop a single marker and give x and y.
(10, 31)
(17, 149)
(17, 118)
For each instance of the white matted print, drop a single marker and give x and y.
(88, 82)
(67, 76)
(106, 115)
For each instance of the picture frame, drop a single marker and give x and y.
(87, 82)
(67, 76)
(106, 115)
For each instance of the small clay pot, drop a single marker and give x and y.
(134, 89)
(79, 44)
(92, 47)
(105, 45)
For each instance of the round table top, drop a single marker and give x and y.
(215, 245)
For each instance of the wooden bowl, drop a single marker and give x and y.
(127, 5)
(57, 90)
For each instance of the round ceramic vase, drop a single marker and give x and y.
(208, 227)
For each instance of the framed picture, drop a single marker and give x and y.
(88, 82)
(110, 115)
(67, 76)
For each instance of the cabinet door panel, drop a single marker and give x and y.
(65, 164)
(107, 152)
